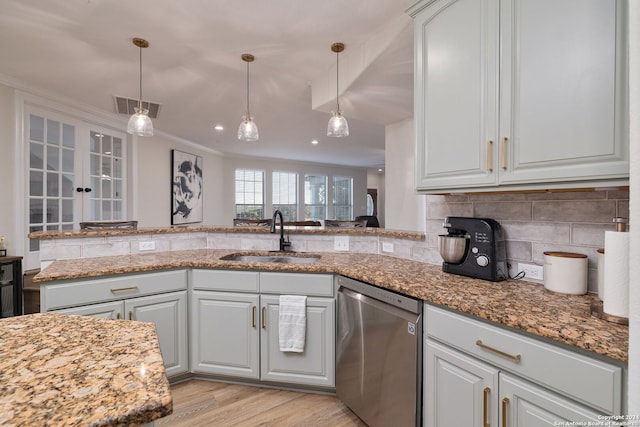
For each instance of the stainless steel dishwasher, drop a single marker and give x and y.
(379, 354)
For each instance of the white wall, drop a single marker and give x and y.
(269, 165)
(7, 160)
(153, 169)
(634, 209)
(404, 209)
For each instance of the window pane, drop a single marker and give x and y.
(67, 210)
(67, 160)
(94, 167)
(35, 211)
(285, 194)
(117, 209)
(315, 191)
(249, 190)
(106, 145)
(117, 147)
(117, 168)
(96, 187)
(117, 188)
(68, 136)
(36, 128)
(67, 186)
(106, 188)
(53, 210)
(53, 184)
(94, 142)
(34, 244)
(106, 210)
(53, 132)
(36, 156)
(106, 167)
(53, 159)
(36, 183)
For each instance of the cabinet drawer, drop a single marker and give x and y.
(297, 284)
(74, 293)
(588, 380)
(225, 280)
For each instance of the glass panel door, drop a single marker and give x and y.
(106, 176)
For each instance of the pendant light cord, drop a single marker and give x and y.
(337, 85)
(248, 114)
(140, 99)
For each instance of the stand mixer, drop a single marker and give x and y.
(474, 247)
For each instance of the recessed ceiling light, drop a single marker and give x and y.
(380, 170)
(314, 142)
(218, 127)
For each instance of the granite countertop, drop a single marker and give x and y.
(67, 370)
(522, 305)
(366, 231)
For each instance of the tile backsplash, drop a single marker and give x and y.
(571, 221)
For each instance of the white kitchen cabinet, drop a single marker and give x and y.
(234, 326)
(517, 94)
(315, 365)
(224, 334)
(477, 374)
(160, 298)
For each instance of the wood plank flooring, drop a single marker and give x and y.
(204, 403)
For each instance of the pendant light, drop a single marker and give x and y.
(140, 123)
(248, 131)
(338, 126)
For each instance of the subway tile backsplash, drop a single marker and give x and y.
(533, 223)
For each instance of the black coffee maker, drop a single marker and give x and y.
(474, 247)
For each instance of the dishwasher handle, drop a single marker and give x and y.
(379, 305)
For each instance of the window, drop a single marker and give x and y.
(343, 197)
(285, 194)
(249, 193)
(315, 197)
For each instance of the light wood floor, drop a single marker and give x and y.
(206, 403)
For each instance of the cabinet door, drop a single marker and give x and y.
(108, 310)
(523, 404)
(316, 365)
(456, 94)
(169, 313)
(224, 334)
(562, 91)
(459, 390)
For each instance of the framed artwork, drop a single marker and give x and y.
(186, 188)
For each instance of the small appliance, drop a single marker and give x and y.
(474, 247)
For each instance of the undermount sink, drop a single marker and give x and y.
(288, 258)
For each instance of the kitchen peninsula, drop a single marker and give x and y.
(63, 370)
(522, 305)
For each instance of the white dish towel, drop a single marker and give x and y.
(292, 322)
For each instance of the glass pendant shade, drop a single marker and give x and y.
(338, 126)
(140, 123)
(248, 131)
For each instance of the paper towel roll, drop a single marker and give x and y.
(616, 273)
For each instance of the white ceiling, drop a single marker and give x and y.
(81, 51)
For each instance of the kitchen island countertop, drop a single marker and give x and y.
(66, 370)
(522, 305)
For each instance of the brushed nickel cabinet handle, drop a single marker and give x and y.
(505, 403)
(253, 316)
(264, 317)
(130, 315)
(485, 403)
(130, 288)
(480, 344)
(503, 153)
(489, 157)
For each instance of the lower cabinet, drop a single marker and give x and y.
(235, 334)
(464, 391)
(479, 375)
(167, 310)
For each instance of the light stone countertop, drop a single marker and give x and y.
(67, 370)
(525, 306)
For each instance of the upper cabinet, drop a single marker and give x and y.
(520, 95)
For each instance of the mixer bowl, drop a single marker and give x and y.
(452, 248)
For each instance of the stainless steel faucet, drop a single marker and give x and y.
(284, 244)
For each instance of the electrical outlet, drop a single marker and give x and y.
(341, 243)
(147, 246)
(532, 271)
(387, 247)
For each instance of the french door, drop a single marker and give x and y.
(76, 172)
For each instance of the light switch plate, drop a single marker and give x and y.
(147, 246)
(387, 247)
(341, 243)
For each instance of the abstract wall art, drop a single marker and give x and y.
(186, 188)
